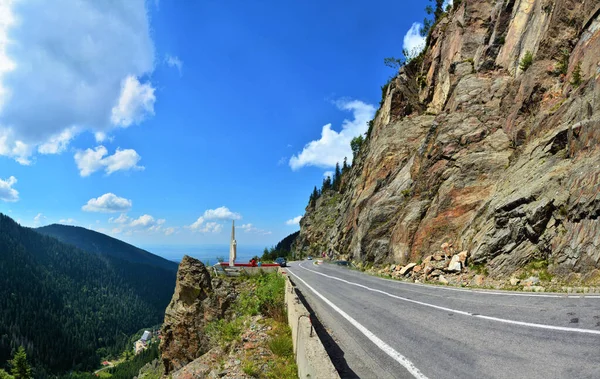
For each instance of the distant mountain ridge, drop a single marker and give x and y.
(95, 242)
(69, 307)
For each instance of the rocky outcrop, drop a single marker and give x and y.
(469, 148)
(197, 300)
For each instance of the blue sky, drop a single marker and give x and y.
(157, 122)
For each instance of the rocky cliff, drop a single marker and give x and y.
(471, 147)
(197, 300)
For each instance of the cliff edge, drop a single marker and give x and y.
(479, 146)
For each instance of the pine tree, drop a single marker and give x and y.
(345, 166)
(20, 367)
(313, 197)
(5, 375)
(326, 184)
(337, 178)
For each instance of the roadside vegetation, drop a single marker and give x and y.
(257, 335)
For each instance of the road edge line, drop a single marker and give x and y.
(390, 351)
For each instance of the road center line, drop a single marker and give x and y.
(491, 318)
(407, 364)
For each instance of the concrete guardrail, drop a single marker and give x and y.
(311, 357)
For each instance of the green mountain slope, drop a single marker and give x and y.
(68, 307)
(95, 242)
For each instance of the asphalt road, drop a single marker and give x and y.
(393, 329)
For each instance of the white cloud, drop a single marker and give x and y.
(122, 160)
(249, 228)
(67, 221)
(58, 143)
(414, 43)
(174, 61)
(38, 220)
(333, 146)
(122, 219)
(64, 65)
(102, 136)
(221, 213)
(107, 203)
(202, 227)
(135, 103)
(294, 221)
(90, 161)
(170, 230)
(7, 193)
(147, 222)
(144, 223)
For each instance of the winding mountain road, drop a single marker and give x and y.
(393, 329)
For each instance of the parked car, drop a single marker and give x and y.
(309, 258)
(281, 261)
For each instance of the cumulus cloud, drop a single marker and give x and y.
(174, 61)
(90, 161)
(135, 103)
(107, 203)
(249, 228)
(414, 43)
(65, 66)
(58, 143)
(67, 221)
(221, 213)
(7, 192)
(170, 230)
(38, 219)
(333, 146)
(144, 223)
(294, 221)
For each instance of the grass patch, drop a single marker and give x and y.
(221, 332)
(537, 268)
(281, 345)
(251, 369)
(479, 268)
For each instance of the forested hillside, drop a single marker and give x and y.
(94, 242)
(68, 307)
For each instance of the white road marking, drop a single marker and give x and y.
(506, 321)
(407, 364)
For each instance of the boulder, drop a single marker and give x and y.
(435, 273)
(514, 281)
(417, 269)
(478, 280)
(462, 256)
(427, 259)
(532, 280)
(406, 269)
(454, 265)
(197, 300)
(442, 279)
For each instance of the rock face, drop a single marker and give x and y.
(469, 148)
(197, 300)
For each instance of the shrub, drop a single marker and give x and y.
(576, 79)
(527, 61)
(563, 63)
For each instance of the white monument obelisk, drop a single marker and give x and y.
(233, 246)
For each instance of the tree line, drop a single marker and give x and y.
(68, 308)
